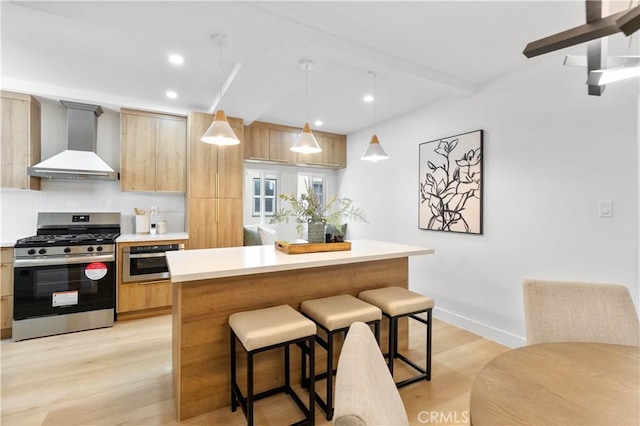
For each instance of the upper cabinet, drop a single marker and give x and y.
(214, 195)
(214, 172)
(334, 152)
(20, 140)
(266, 142)
(153, 152)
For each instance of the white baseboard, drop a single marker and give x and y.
(486, 331)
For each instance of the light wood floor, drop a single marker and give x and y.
(122, 376)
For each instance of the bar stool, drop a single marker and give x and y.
(334, 315)
(395, 303)
(262, 330)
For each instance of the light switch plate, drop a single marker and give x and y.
(605, 208)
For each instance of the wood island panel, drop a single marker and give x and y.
(201, 335)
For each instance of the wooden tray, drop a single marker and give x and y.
(297, 248)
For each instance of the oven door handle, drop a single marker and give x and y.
(20, 263)
(144, 255)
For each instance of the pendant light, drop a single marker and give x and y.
(306, 143)
(374, 150)
(220, 131)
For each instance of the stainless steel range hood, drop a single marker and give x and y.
(79, 160)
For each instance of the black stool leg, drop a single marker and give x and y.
(329, 375)
(287, 376)
(250, 389)
(303, 365)
(393, 341)
(312, 381)
(428, 369)
(234, 400)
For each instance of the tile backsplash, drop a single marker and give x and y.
(19, 208)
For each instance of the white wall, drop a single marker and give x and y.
(551, 152)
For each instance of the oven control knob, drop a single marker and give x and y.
(42, 251)
(99, 248)
(67, 250)
(90, 249)
(31, 251)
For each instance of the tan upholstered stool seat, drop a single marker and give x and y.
(396, 300)
(341, 311)
(270, 326)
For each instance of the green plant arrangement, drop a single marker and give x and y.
(307, 209)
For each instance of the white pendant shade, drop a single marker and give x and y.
(374, 151)
(220, 132)
(306, 143)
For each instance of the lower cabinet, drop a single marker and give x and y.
(140, 299)
(6, 291)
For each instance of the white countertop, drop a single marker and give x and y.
(132, 238)
(192, 265)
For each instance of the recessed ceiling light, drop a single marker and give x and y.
(171, 94)
(318, 123)
(176, 59)
(368, 98)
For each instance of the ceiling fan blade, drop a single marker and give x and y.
(629, 23)
(612, 61)
(602, 77)
(580, 34)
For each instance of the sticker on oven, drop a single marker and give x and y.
(95, 271)
(65, 298)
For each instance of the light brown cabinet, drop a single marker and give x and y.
(6, 291)
(333, 155)
(214, 193)
(280, 143)
(256, 143)
(20, 140)
(144, 298)
(266, 142)
(153, 152)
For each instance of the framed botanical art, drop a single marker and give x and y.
(450, 184)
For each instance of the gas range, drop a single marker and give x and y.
(65, 275)
(69, 235)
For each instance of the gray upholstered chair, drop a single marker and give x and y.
(558, 311)
(365, 391)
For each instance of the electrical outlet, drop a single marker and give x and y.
(605, 208)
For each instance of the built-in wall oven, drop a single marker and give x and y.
(64, 277)
(146, 262)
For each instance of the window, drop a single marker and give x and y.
(264, 192)
(264, 196)
(269, 196)
(316, 182)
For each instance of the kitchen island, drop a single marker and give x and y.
(211, 284)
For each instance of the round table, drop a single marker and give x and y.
(559, 383)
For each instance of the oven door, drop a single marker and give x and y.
(144, 266)
(54, 289)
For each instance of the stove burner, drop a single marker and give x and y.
(67, 239)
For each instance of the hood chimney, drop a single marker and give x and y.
(79, 160)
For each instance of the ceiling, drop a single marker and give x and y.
(115, 54)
